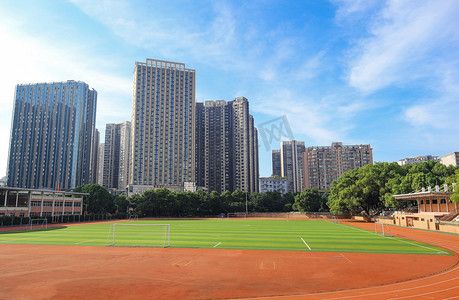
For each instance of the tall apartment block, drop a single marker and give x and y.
(117, 149)
(163, 124)
(324, 164)
(53, 136)
(291, 154)
(100, 164)
(227, 146)
(276, 162)
(111, 156)
(125, 154)
(95, 157)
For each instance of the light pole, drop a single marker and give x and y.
(246, 206)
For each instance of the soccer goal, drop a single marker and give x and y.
(236, 215)
(38, 224)
(139, 235)
(383, 229)
(133, 218)
(334, 219)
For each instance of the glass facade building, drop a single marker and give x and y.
(53, 135)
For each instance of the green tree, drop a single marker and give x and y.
(309, 200)
(99, 200)
(122, 203)
(454, 178)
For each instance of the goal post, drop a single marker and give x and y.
(41, 223)
(139, 235)
(334, 219)
(133, 218)
(383, 229)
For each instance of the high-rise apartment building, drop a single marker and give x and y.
(53, 136)
(291, 154)
(125, 154)
(95, 157)
(276, 162)
(324, 164)
(100, 164)
(111, 156)
(163, 124)
(117, 149)
(227, 146)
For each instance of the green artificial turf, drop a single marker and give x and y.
(285, 235)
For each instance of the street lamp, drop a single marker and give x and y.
(246, 206)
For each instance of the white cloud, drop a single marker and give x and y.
(407, 41)
(316, 119)
(353, 9)
(414, 47)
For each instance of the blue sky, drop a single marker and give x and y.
(384, 73)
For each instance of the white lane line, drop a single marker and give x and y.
(301, 296)
(346, 258)
(306, 244)
(434, 292)
(217, 244)
(84, 242)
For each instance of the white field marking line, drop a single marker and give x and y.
(346, 258)
(379, 293)
(84, 242)
(30, 238)
(435, 250)
(454, 297)
(434, 292)
(217, 244)
(306, 243)
(369, 232)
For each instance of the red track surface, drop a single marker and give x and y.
(76, 272)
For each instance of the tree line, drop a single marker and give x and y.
(165, 203)
(369, 190)
(366, 190)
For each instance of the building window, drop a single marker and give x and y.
(434, 201)
(427, 201)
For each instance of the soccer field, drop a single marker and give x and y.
(284, 235)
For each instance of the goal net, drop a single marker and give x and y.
(236, 215)
(133, 218)
(139, 235)
(334, 219)
(38, 224)
(383, 229)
